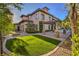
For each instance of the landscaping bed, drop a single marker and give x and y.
(33, 45)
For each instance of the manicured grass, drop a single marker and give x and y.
(31, 45)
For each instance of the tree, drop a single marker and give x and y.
(73, 18)
(73, 13)
(66, 23)
(6, 20)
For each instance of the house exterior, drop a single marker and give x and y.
(48, 21)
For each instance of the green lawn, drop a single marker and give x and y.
(33, 45)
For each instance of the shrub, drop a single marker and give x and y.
(75, 45)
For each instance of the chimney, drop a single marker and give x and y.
(45, 9)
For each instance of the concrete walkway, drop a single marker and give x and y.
(53, 35)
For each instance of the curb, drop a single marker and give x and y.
(4, 47)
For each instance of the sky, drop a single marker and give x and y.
(56, 9)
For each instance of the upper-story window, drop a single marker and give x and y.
(49, 18)
(43, 16)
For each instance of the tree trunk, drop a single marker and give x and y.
(73, 18)
(1, 44)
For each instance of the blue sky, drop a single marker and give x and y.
(56, 9)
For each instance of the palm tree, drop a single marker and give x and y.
(5, 20)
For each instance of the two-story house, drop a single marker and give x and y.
(40, 15)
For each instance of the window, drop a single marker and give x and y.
(43, 17)
(49, 18)
(53, 18)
